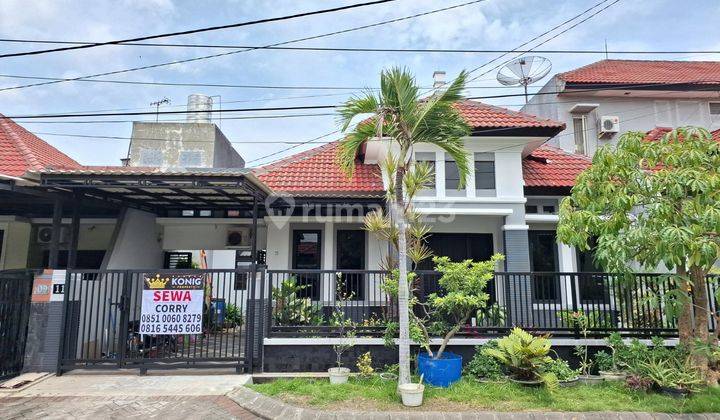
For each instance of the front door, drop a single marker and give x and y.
(307, 255)
(351, 256)
(459, 247)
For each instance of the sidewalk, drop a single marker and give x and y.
(105, 396)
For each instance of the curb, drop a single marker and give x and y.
(271, 408)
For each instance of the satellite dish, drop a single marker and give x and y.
(523, 71)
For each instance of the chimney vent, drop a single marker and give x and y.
(199, 108)
(438, 79)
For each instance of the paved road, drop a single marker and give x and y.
(119, 407)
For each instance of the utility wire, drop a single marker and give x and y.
(368, 49)
(313, 107)
(188, 60)
(595, 13)
(199, 30)
(223, 85)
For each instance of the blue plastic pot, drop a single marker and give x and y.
(442, 372)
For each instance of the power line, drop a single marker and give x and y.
(292, 147)
(595, 13)
(311, 107)
(368, 49)
(199, 30)
(223, 85)
(88, 136)
(188, 60)
(249, 117)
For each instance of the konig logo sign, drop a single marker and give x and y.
(172, 304)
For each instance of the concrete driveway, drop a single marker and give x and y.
(84, 395)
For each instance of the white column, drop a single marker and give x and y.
(440, 174)
(470, 180)
(328, 257)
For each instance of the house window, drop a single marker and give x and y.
(452, 175)
(714, 111)
(484, 171)
(531, 209)
(544, 259)
(190, 158)
(580, 134)
(151, 157)
(549, 209)
(428, 159)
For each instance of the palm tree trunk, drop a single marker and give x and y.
(403, 292)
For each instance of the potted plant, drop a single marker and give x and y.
(412, 394)
(581, 321)
(525, 356)
(565, 375)
(346, 332)
(672, 377)
(608, 364)
(463, 293)
(485, 368)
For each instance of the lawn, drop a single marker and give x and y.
(375, 394)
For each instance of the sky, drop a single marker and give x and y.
(492, 24)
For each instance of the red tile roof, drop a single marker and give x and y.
(645, 72)
(657, 132)
(22, 151)
(480, 115)
(549, 166)
(316, 173)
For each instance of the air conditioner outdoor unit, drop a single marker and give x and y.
(609, 125)
(45, 233)
(238, 238)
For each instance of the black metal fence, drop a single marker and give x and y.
(101, 326)
(15, 291)
(306, 303)
(312, 302)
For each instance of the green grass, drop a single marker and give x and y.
(369, 394)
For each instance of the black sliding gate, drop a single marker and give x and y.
(101, 322)
(15, 290)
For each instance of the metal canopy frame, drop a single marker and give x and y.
(156, 193)
(160, 193)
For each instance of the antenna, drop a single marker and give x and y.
(523, 71)
(157, 106)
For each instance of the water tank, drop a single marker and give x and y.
(199, 108)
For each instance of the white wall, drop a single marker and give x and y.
(138, 244)
(201, 233)
(637, 113)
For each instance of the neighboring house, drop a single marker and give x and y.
(628, 95)
(194, 143)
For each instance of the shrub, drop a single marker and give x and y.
(604, 361)
(670, 373)
(233, 316)
(364, 365)
(561, 369)
(484, 366)
(290, 308)
(524, 355)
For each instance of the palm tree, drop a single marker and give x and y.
(398, 111)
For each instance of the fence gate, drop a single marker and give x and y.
(15, 290)
(103, 317)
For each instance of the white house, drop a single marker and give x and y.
(602, 100)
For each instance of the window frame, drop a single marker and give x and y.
(583, 131)
(484, 158)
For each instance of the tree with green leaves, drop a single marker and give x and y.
(398, 111)
(651, 203)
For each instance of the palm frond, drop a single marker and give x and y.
(367, 103)
(350, 146)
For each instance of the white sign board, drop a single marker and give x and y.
(172, 304)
